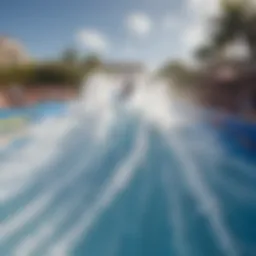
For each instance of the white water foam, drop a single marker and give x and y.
(116, 185)
(97, 110)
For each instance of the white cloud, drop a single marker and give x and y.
(193, 36)
(139, 24)
(197, 33)
(92, 40)
(205, 8)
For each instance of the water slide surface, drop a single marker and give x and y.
(141, 177)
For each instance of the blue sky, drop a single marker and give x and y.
(149, 30)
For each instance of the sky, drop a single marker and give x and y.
(152, 31)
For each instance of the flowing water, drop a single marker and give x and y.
(125, 177)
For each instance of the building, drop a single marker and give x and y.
(231, 87)
(12, 52)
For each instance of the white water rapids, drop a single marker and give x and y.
(125, 176)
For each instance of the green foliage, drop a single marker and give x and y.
(14, 75)
(87, 63)
(55, 74)
(41, 74)
(205, 53)
(230, 25)
(238, 20)
(68, 70)
(179, 73)
(90, 63)
(69, 56)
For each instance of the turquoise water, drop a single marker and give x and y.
(140, 191)
(36, 111)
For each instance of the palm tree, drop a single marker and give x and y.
(205, 53)
(236, 22)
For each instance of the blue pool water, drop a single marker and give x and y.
(36, 111)
(137, 190)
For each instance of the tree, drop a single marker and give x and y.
(70, 56)
(179, 73)
(205, 53)
(235, 22)
(90, 63)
